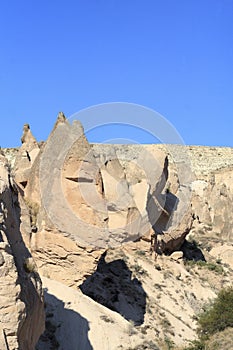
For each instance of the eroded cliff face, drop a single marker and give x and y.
(22, 307)
(213, 192)
(83, 199)
(75, 207)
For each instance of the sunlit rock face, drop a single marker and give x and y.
(67, 205)
(81, 199)
(213, 192)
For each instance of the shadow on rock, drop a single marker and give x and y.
(65, 328)
(192, 251)
(112, 286)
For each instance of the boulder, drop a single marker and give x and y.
(177, 255)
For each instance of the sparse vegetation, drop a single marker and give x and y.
(107, 319)
(140, 252)
(167, 274)
(216, 267)
(169, 343)
(166, 322)
(221, 340)
(158, 286)
(147, 345)
(196, 345)
(218, 315)
(215, 321)
(138, 269)
(29, 265)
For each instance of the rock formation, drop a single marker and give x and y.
(25, 157)
(83, 199)
(22, 309)
(67, 205)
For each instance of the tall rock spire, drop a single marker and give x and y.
(27, 137)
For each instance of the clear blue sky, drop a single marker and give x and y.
(174, 56)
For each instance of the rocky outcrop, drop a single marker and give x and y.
(83, 199)
(22, 309)
(202, 176)
(212, 198)
(58, 243)
(25, 157)
(67, 210)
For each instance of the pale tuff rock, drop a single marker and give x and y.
(87, 199)
(91, 197)
(99, 196)
(12, 309)
(60, 258)
(22, 311)
(224, 253)
(25, 157)
(61, 119)
(58, 228)
(211, 204)
(133, 182)
(70, 203)
(177, 255)
(27, 135)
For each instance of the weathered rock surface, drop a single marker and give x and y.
(211, 170)
(85, 198)
(22, 310)
(25, 157)
(82, 200)
(212, 198)
(74, 202)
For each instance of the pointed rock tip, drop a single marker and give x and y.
(27, 135)
(26, 127)
(61, 118)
